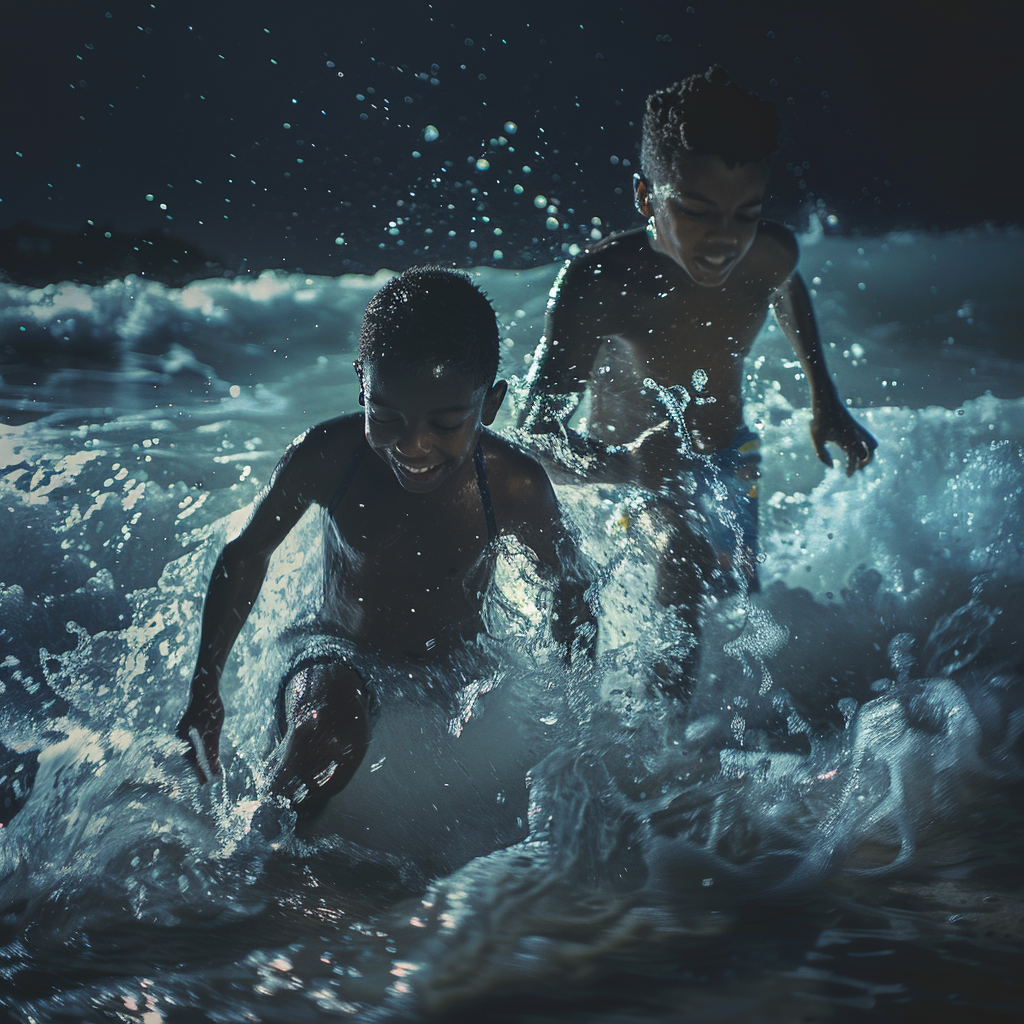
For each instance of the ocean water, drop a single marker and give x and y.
(833, 826)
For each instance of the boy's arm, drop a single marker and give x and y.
(234, 586)
(831, 422)
(558, 377)
(564, 355)
(541, 528)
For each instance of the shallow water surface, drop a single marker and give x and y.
(831, 827)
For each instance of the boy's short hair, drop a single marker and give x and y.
(431, 314)
(706, 114)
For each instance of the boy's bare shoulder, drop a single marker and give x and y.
(775, 252)
(519, 484)
(315, 460)
(607, 262)
(591, 283)
(331, 437)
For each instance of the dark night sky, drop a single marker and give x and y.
(269, 130)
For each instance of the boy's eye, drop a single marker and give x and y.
(448, 426)
(380, 418)
(689, 211)
(750, 214)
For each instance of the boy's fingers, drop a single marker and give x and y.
(859, 455)
(190, 756)
(200, 752)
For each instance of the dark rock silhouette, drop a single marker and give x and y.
(38, 256)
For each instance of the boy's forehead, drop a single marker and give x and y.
(690, 172)
(444, 379)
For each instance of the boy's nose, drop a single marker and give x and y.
(413, 442)
(722, 228)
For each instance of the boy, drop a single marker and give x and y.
(681, 303)
(415, 490)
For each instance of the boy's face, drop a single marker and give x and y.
(423, 420)
(705, 214)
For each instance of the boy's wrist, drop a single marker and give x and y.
(205, 683)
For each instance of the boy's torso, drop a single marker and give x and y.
(406, 573)
(657, 323)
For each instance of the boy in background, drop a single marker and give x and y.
(665, 316)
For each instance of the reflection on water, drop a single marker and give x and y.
(831, 827)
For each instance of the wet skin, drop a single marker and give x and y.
(682, 302)
(411, 565)
(690, 300)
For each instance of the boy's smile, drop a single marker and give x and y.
(705, 217)
(423, 420)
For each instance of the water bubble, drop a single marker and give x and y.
(551, 223)
(540, 202)
(483, 165)
(511, 127)
(431, 134)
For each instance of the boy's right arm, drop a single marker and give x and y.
(558, 376)
(566, 352)
(234, 586)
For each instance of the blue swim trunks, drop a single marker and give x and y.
(725, 493)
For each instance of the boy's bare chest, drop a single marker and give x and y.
(680, 330)
(414, 538)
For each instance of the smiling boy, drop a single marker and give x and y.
(415, 491)
(681, 303)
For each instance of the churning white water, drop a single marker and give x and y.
(831, 826)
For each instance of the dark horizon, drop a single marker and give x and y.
(263, 136)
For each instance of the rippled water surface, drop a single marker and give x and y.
(832, 827)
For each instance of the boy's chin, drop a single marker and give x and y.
(708, 276)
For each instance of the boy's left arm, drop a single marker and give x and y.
(542, 529)
(831, 421)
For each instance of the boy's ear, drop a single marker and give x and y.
(492, 401)
(358, 367)
(642, 196)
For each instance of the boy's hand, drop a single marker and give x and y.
(833, 424)
(205, 715)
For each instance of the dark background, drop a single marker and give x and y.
(255, 135)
